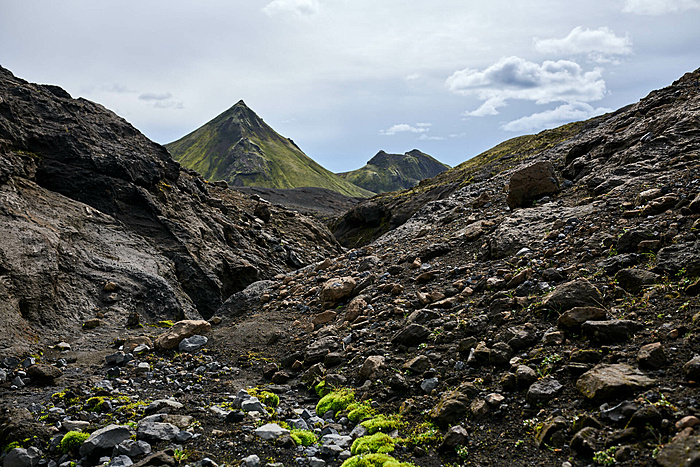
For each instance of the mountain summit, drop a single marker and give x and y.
(239, 147)
(392, 172)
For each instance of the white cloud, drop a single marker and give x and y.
(553, 118)
(598, 44)
(405, 128)
(659, 7)
(297, 7)
(152, 96)
(516, 78)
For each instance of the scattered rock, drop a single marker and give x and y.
(543, 390)
(610, 381)
(652, 356)
(192, 344)
(616, 330)
(271, 431)
(179, 331)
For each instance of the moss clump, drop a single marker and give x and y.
(425, 433)
(97, 404)
(72, 441)
(322, 389)
(383, 423)
(378, 442)
(266, 397)
(303, 437)
(337, 400)
(374, 460)
(165, 324)
(360, 410)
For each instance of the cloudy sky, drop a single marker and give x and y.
(346, 78)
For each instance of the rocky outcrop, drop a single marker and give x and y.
(88, 200)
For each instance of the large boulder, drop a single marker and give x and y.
(530, 183)
(679, 257)
(171, 338)
(610, 381)
(104, 440)
(577, 293)
(334, 290)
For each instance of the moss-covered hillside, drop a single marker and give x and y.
(240, 148)
(393, 172)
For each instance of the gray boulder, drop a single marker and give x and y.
(192, 344)
(20, 457)
(271, 431)
(104, 439)
(543, 390)
(156, 431)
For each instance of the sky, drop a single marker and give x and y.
(347, 78)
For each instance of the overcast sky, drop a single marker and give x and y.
(346, 78)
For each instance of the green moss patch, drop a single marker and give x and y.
(383, 423)
(374, 460)
(378, 442)
(303, 437)
(72, 441)
(337, 400)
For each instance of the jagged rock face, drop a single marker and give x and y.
(87, 199)
(392, 172)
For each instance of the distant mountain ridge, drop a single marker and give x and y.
(240, 148)
(391, 172)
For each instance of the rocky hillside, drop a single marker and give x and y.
(546, 314)
(240, 148)
(393, 172)
(99, 222)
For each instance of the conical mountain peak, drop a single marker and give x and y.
(239, 147)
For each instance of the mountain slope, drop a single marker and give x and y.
(374, 217)
(239, 147)
(392, 172)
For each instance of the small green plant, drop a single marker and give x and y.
(547, 365)
(11, 446)
(378, 442)
(165, 324)
(606, 457)
(268, 398)
(384, 423)
(180, 456)
(462, 452)
(336, 400)
(72, 441)
(303, 437)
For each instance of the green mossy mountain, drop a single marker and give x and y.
(393, 172)
(240, 148)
